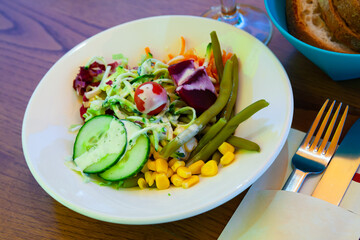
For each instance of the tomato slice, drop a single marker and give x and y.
(150, 98)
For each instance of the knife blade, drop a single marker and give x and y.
(341, 169)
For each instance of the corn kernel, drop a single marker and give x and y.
(226, 147)
(195, 168)
(176, 180)
(162, 181)
(177, 164)
(190, 181)
(151, 165)
(150, 177)
(161, 165)
(209, 169)
(183, 172)
(142, 183)
(172, 161)
(190, 145)
(156, 155)
(169, 172)
(227, 158)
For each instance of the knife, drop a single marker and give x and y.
(341, 169)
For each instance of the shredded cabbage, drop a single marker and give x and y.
(115, 94)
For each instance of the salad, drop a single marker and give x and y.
(162, 122)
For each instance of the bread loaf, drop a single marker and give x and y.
(337, 26)
(349, 10)
(306, 21)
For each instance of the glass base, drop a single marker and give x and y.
(248, 18)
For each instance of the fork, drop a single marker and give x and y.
(314, 154)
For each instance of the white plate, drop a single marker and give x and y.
(54, 107)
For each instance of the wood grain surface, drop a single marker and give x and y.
(34, 34)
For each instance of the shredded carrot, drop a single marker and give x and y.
(227, 57)
(147, 50)
(170, 56)
(223, 55)
(182, 49)
(201, 61)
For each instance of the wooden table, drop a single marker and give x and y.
(34, 34)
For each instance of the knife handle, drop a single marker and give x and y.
(295, 181)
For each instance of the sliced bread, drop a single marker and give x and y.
(337, 26)
(305, 23)
(349, 10)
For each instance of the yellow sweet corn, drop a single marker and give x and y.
(162, 181)
(227, 158)
(226, 147)
(150, 177)
(142, 183)
(156, 155)
(161, 165)
(169, 172)
(151, 165)
(177, 164)
(183, 172)
(195, 168)
(189, 182)
(172, 161)
(176, 180)
(209, 169)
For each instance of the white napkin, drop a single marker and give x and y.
(267, 213)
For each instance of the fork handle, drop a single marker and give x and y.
(295, 180)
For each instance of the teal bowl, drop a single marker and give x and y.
(339, 66)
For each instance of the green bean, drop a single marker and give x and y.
(205, 117)
(214, 129)
(216, 156)
(217, 54)
(227, 112)
(228, 130)
(242, 143)
(204, 130)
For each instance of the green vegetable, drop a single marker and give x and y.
(135, 157)
(132, 181)
(233, 95)
(228, 130)
(242, 143)
(217, 54)
(143, 78)
(207, 55)
(210, 134)
(216, 156)
(100, 143)
(205, 117)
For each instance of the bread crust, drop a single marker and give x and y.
(304, 22)
(338, 27)
(349, 10)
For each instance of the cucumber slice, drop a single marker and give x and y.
(100, 143)
(134, 159)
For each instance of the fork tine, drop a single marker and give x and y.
(329, 130)
(322, 127)
(314, 125)
(336, 137)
